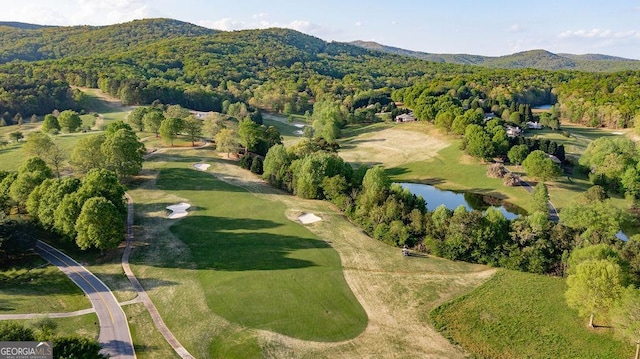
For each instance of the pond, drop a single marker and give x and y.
(472, 201)
(542, 107)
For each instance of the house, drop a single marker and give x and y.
(513, 131)
(406, 117)
(534, 125)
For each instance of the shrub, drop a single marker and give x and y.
(511, 180)
(246, 161)
(496, 170)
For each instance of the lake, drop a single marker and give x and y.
(452, 200)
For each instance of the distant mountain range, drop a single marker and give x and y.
(30, 42)
(538, 59)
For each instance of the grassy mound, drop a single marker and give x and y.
(258, 268)
(521, 315)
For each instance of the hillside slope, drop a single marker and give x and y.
(30, 42)
(537, 59)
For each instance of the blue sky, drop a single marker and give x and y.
(487, 27)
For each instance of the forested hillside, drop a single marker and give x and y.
(537, 59)
(281, 70)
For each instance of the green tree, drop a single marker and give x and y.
(177, 111)
(123, 153)
(11, 331)
(41, 145)
(517, 154)
(16, 136)
(193, 128)
(276, 166)
(170, 128)
(541, 198)
(76, 347)
(87, 153)
(248, 134)
(99, 225)
(69, 121)
(226, 140)
(478, 142)
(136, 117)
(539, 165)
(598, 221)
(152, 121)
(30, 174)
(626, 317)
(594, 287)
(50, 124)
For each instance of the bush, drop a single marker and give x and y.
(246, 161)
(511, 180)
(496, 170)
(566, 134)
(256, 166)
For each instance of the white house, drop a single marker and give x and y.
(406, 117)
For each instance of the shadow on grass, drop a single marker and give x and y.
(189, 179)
(238, 244)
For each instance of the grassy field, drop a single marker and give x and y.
(521, 315)
(147, 341)
(236, 278)
(37, 287)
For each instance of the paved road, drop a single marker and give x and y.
(142, 294)
(115, 337)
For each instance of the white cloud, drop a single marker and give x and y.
(515, 28)
(261, 15)
(80, 12)
(358, 23)
(261, 22)
(599, 34)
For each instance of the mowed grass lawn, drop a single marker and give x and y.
(37, 287)
(258, 268)
(521, 315)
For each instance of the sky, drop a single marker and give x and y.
(489, 27)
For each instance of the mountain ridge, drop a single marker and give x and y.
(538, 59)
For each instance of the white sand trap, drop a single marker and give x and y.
(178, 210)
(309, 218)
(299, 133)
(617, 133)
(201, 166)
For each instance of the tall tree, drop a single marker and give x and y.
(87, 153)
(248, 134)
(518, 153)
(152, 121)
(30, 174)
(541, 198)
(594, 287)
(192, 128)
(99, 225)
(539, 165)
(170, 128)
(69, 121)
(136, 116)
(41, 145)
(50, 124)
(478, 143)
(626, 317)
(226, 141)
(123, 153)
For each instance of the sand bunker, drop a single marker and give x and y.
(309, 218)
(201, 166)
(178, 210)
(617, 133)
(299, 125)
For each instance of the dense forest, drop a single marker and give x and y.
(277, 70)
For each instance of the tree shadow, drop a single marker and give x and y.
(238, 244)
(190, 179)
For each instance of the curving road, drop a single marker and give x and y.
(115, 337)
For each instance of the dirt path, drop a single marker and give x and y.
(394, 291)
